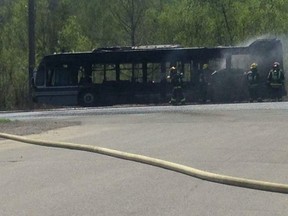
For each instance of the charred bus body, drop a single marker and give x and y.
(229, 84)
(120, 75)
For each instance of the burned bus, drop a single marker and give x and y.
(123, 75)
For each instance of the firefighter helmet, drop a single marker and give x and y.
(253, 66)
(276, 65)
(205, 66)
(173, 69)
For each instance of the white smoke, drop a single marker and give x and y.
(283, 38)
(251, 40)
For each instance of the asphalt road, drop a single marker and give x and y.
(241, 140)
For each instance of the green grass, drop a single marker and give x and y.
(4, 120)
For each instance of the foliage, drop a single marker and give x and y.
(73, 25)
(2, 121)
(12, 56)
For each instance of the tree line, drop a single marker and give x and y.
(73, 25)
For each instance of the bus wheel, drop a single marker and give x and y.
(86, 99)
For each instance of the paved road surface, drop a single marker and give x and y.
(243, 140)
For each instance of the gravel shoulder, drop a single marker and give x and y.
(33, 127)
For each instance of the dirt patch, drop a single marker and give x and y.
(33, 127)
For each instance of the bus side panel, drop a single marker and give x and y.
(57, 96)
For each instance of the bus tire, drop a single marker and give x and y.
(86, 99)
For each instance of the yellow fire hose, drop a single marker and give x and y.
(208, 176)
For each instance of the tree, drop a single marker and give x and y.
(97, 23)
(13, 55)
(130, 16)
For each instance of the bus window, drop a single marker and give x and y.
(153, 72)
(240, 61)
(98, 73)
(187, 72)
(84, 75)
(81, 74)
(217, 64)
(126, 71)
(131, 72)
(110, 72)
(61, 76)
(49, 77)
(40, 76)
(138, 73)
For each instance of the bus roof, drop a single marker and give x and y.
(158, 53)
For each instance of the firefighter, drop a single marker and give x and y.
(176, 78)
(253, 79)
(275, 81)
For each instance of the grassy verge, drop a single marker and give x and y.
(4, 120)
